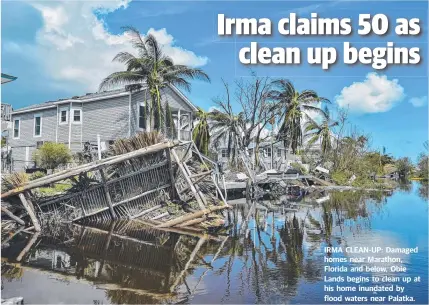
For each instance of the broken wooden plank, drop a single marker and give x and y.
(201, 174)
(195, 182)
(187, 217)
(213, 180)
(203, 198)
(188, 180)
(30, 211)
(13, 216)
(192, 222)
(28, 246)
(147, 211)
(107, 194)
(160, 216)
(11, 236)
(191, 258)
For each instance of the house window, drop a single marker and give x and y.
(224, 153)
(279, 152)
(268, 150)
(142, 119)
(16, 128)
(77, 115)
(37, 125)
(63, 116)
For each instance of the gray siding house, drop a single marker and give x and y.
(109, 115)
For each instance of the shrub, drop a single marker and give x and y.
(298, 167)
(37, 175)
(13, 180)
(340, 178)
(52, 155)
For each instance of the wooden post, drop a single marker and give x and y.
(106, 191)
(191, 185)
(30, 211)
(11, 215)
(99, 147)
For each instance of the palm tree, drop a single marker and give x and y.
(201, 132)
(154, 68)
(227, 126)
(321, 131)
(294, 106)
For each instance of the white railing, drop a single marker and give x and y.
(174, 134)
(6, 112)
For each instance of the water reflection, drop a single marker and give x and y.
(268, 254)
(424, 190)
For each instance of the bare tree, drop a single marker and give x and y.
(257, 112)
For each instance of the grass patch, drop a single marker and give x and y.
(57, 188)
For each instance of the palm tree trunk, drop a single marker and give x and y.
(151, 111)
(158, 108)
(147, 114)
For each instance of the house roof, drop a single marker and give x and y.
(92, 97)
(5, 78)
(82, 98)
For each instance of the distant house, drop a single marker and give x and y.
(6, 115)
(271, 155)
(6, 109)
(81, 119)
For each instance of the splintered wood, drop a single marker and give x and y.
(169, 184)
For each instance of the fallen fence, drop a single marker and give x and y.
(167, 184)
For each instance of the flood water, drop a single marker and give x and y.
(261, 257)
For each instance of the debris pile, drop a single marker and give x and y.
(164, 183)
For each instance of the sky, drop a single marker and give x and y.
(60, 49)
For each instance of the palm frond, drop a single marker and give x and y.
(121, 78)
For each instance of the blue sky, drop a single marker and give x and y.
(62, 49)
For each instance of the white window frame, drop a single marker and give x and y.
(67, 116)
(37, 115)
(269, 152)
(138, 117)
(19, 128)
(224, 153)
(279, 152)
(80, 115)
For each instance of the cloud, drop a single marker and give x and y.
(419, 101)
(75, 48)
(375, 94)
(214, 108)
